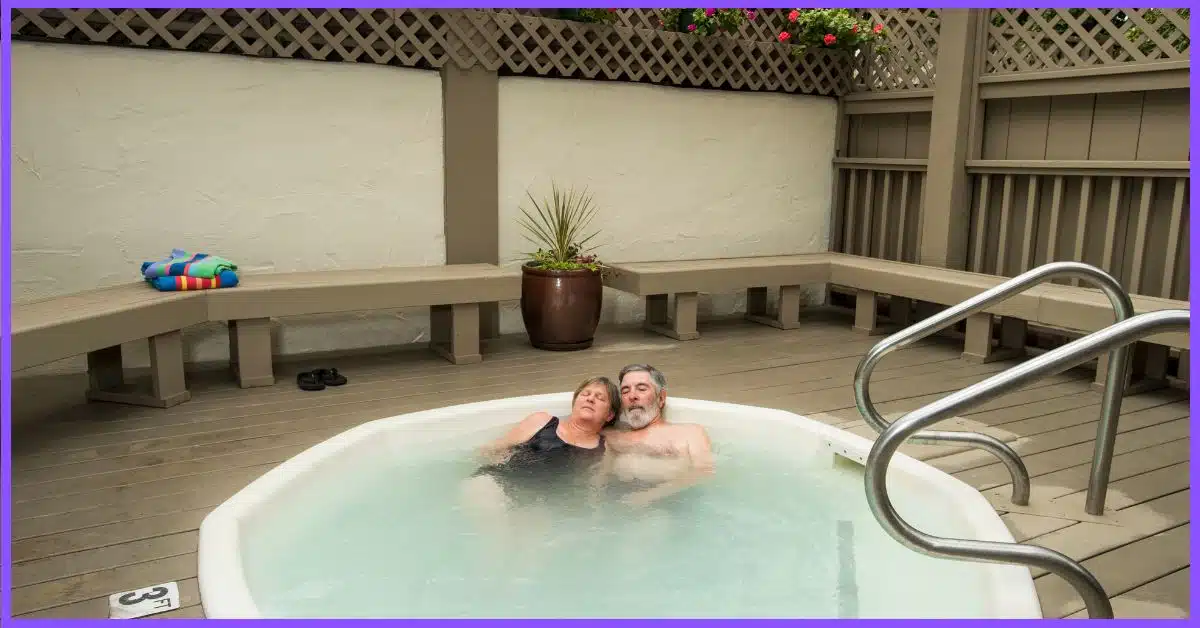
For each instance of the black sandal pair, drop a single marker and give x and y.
(318, 379)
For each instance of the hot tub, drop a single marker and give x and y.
(370, 524)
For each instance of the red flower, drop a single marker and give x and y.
(612, 10)
(794, 15)
(878, 28)
(691, 27)
(829, 39)
(709, 12)
(750, 15)
(784, 36)
(854, 29)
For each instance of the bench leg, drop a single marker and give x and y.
(250, 352)
(454, 331)
(788, 314)
(1147, 369)
(683, 325)
(168, 382)
(978, 348)
(1184, 372)
(866, 313)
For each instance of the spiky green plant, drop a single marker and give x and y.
(557, 226)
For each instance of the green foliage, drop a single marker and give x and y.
(589, 16)
(557, 226)
(838, 29)
(704, 21)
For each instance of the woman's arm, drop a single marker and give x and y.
(519, 433)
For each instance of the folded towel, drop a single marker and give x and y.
(198, 265)
(224, 279)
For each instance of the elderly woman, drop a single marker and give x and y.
(543, 450)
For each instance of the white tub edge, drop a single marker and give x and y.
(224, 591)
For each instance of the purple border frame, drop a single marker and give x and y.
(6, 276)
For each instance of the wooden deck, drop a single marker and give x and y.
(108, 498)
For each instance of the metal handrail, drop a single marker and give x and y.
(1110, 407)
(1056, 361)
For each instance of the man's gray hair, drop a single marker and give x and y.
(656, 376)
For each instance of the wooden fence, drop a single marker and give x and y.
(1036, 135)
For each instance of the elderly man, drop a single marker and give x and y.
(647, 452)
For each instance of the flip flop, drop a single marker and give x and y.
(329, 377)
(309, 380)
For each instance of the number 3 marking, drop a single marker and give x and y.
(128, 599)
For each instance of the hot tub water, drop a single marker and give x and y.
(779, 531)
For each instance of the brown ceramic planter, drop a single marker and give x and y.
(561, 308)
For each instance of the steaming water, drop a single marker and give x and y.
(773, 534)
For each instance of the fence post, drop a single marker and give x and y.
(954, 137)
(470, 154)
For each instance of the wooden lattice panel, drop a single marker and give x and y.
(909, 54)
(512, 41)
(1031, 40)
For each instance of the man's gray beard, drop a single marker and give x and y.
(637, 418)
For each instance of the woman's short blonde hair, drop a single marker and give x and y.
(614, 393)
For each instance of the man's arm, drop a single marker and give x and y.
(698, 449)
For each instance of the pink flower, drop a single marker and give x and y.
(691, 27)
(878, 28)
(829, 39)
(784, 36)
(709, 12)
(794, 15)
(750, 15)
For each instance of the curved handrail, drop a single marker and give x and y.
(1110, 407)
(1056, 361)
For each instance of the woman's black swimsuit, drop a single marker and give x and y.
(541, 460)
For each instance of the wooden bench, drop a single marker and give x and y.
(686, 279)
(453, 294)
(1076, 309)
(97, 323)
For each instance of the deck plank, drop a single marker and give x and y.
(110, 498)
(1165, 598)
(1120, 570)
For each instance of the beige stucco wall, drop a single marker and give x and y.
(675, 173)
(119, 155)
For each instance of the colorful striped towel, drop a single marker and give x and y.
(173, 283)
(180, 264)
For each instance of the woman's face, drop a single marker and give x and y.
(593, 405)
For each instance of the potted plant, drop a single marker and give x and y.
(561, 285)
(838, 29)
(704, 21)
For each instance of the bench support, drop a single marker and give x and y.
(1183, 373)
(683, 325)
(978, 348)
(168, 385)
(787, 316)
(866, 313)
(454, 331)
(250, 352)
(1147, 371)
